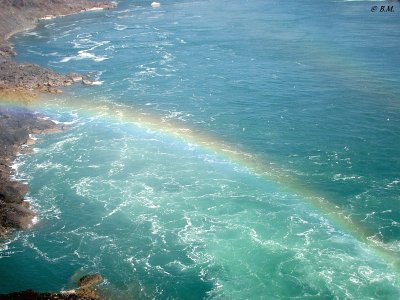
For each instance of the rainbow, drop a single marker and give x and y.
(119, 113)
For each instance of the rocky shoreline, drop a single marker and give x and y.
(85, 291)
(17, 125)
(16, 128)
(24, 82)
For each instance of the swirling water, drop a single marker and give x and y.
(229, 149)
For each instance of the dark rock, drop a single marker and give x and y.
(87, 82)
(18, 216)
(75, 77)
(12, 192)
(82, 293)
(18, 15)
(15, 127)
(90, 280)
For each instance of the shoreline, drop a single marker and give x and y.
(16, 128)
(23, 82)
(86, 290)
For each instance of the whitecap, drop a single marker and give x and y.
(83, 54)
(94, 9)
(32, 33)
(173, 115)
(5, 250)
(83, 186)
(48, 17)
(393, 183)
(32, 137)
(64, 123)
(16, 165)
(120, 27)
(34, 221)
(52, 166)
(94, 166)
(342, 177)
(84, 41)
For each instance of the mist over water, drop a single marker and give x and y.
(232, 150)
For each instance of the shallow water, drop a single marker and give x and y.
(233, 150)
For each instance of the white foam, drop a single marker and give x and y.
(120, 27)
(4, 248)
(173, 115)
(393, 183)
(83, 54)
(83, 186)
(49, 165)
(16, 165)
(64, 123)
(32, 137)
(48, 17)
(84, 41)
(35, 220)
(339, 176)
(94, 9)
(32, 33)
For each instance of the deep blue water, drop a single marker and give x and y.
(229, 149)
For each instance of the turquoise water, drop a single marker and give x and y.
(229, 150)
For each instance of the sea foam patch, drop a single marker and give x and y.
(83, 54)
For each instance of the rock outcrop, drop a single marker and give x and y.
(87, 292)
(15, 79)
(26, 80)
(19, 15)
(89, 280)
(16, 125)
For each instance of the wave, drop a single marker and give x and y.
(32, 33)
(84, 42)
(65, 123)
(120, 27)
(83, 54)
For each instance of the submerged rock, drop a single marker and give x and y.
(75, 77)
(83, 293)
(90, 280)
(87, 82)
